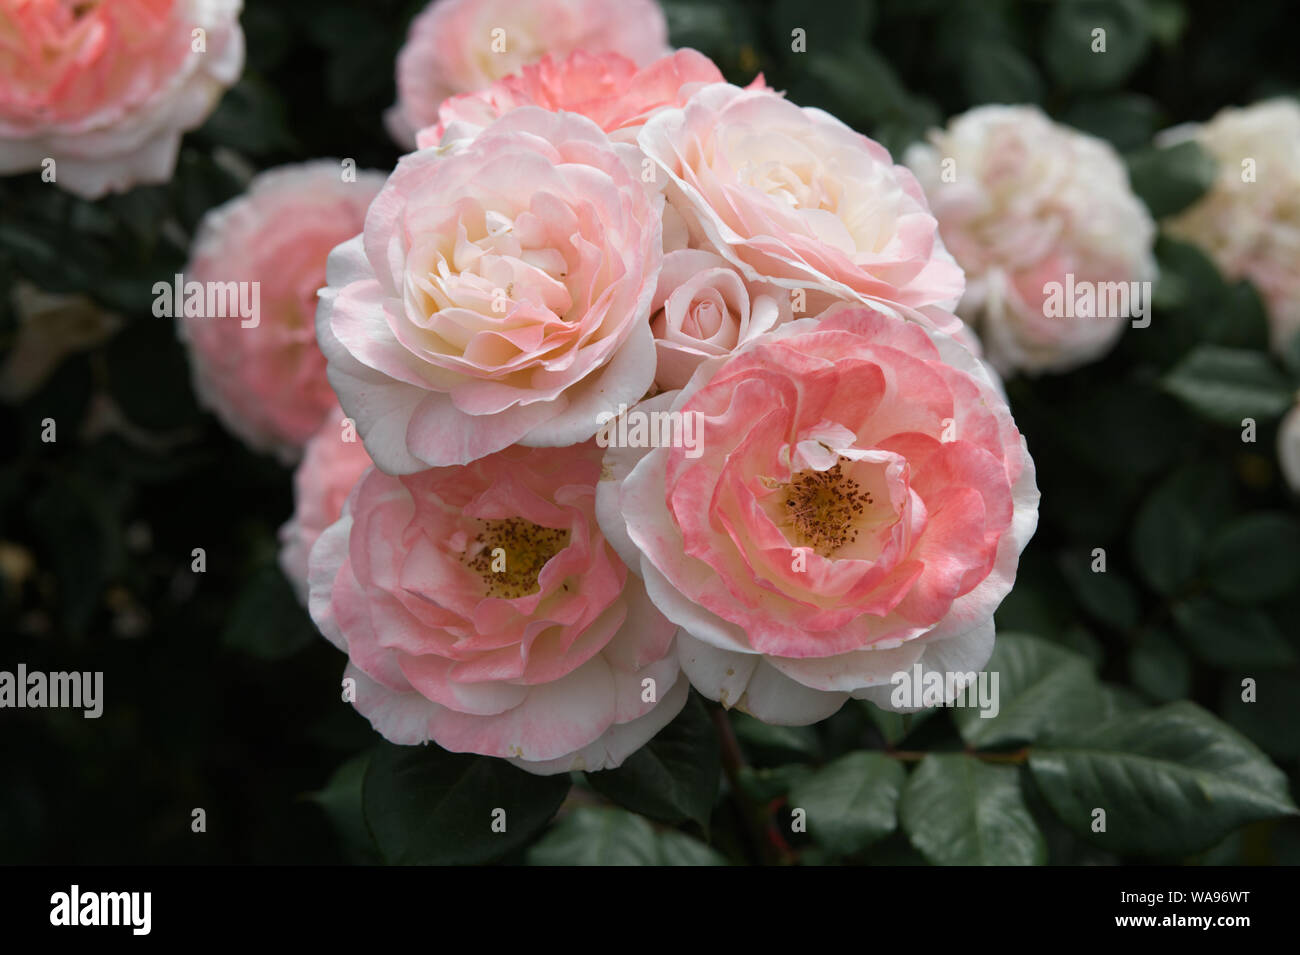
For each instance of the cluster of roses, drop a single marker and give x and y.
(593, 225)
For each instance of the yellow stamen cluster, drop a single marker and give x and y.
(821, 508)
(526, 546)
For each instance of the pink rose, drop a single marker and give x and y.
(795, 197)
(1040, 216)
(705, 308)
(608, 89)
(332, 462)
(481, 608)
(500, 295)
(855, 503)
(262, 374)
(462, 46)
(105, 89)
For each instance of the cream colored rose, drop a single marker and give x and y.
(1028, 206)
(1249, 220)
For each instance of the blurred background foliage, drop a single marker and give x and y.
(219, 694)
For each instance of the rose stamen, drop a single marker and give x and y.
(822, 508)
(527, 548)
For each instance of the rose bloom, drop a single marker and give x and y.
(1251, 227)
(704, 308)
(332, 462)
(1031, 201)
(794, 197)
(481, 608)
(105, 88)
(608, 89)
(856, 503)
(1288, 448)
(453, 47)
(265, 377)
(500, 294)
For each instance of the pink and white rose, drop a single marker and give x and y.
(856, 504)
(609, 89)
(332, 463)
(1249, 220)
(793, 197)
(481, 608)
(500, 294)
(463, 46)
(264, 377)
(106, 88)
(1022, 202)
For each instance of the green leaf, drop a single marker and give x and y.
(1042, 690)
(341, 801)
(997, 72)
(1255, 558)
(957, 810)
(426, 806)
(1068, 42)
(267, 622)
(1167, 537)
(851, 802)
(767, 744)
(1104, 594)
(1171, 780)
(1227, 385)
(1271, 718)
(673, 777)
(1170, 178)
(1159, 667)
(613, 837)
(1232, 636)
(1127, 120)
(895, 727)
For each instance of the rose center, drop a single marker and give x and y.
(510, 553)
(822, 509)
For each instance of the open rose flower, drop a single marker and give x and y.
(105, 88)
(794, 197)
(461, 46)
(500, 294)
(481, 608)
(608, 89)
(703, 308)
(1030, 202)
(855, 503)
(1249, 224)
(331, 464)
(263, 374)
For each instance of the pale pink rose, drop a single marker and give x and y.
(264, 376)
(462, 46)
(500, 294)
(1249, 220)
(332, 462)
(855, 503)
(105, 88)
(608, 89)
(703, 308)
(481, 608)
(794, 197)
(1043, 220)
